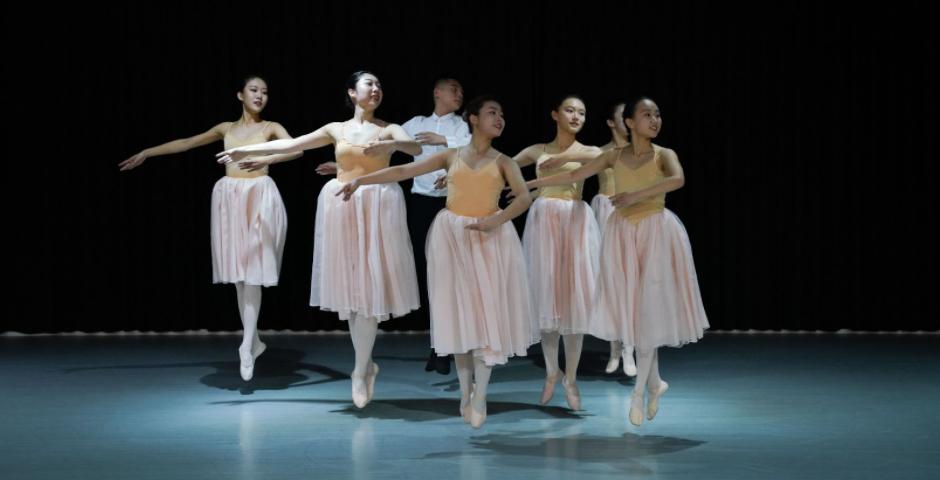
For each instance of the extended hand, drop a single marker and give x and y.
(624, 199)
(348, 190)
(133, 162)
(430, 138)
(484, 225)
(253, 165)
(230, 155)
(553, 162)
(380, 147)
(327, 168)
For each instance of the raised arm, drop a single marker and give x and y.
(674, 180)
(395, 139)
(599, 162)
(584, 154)
(322, 136)
(398, 173)
(257, 163)
(176, 146)
(529, 155)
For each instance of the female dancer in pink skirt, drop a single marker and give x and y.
(602, 209)
(648, 294)
(363, 264)
(480, 306)
(561, 244)
(248, 221)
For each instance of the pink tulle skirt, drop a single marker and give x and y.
(478, 291)
(561, 244)
(247, 229)
(648, 294)
(363, 263)
(602, 210)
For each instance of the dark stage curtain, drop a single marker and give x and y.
(807, 135)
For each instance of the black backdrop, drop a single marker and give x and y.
(806, 133)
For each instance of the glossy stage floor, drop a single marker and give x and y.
(740, 406)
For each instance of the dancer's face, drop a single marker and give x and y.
(490, 121)
(570, 115)
(368, 92)
(449, 94)
(646, 120)
(616, 122)
(254, 96)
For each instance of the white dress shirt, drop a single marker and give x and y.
(451, 127)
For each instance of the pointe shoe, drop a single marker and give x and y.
(465, 407)
(246, 364)
(652, 403)
(629, 365)
(612, 364)
(370, 381)
(572, 394)
(247, 360)
(549, 388)
(476, 418)
(636, 410)
(360, 393)
(257, 349)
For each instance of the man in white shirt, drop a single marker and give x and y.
(441, 130)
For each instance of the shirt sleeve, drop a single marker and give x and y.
(412, 126)
(460, 137)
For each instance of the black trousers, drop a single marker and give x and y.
(421, 212)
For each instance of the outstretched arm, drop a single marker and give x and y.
(397, 173)
(584, 155)
(398, 141)
(176, 146)
(258, 163)
(599, 162)
(316, 139)
(528, 155)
